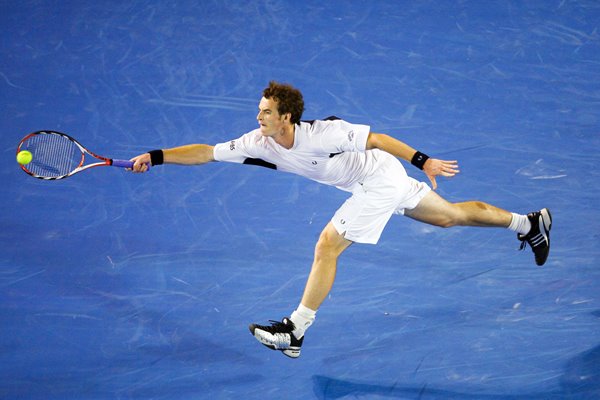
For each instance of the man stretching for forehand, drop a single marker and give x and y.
(354, 159)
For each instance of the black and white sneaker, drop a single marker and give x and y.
(278, 336)
(539, 235)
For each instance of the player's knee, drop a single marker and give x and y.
(447, 223)
(452, 217)
(462, 214)
(327, 246)
(324, 247)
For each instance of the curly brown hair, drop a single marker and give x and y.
(289, 99)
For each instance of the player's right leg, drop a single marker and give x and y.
(435, 210)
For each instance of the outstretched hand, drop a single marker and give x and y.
(141, 163)
(434, 167)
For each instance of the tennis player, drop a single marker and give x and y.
(365, 164)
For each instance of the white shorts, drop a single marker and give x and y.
(390, 190)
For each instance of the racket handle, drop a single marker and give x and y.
(124, 164)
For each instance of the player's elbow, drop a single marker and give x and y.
(374, 140)
(206, 153)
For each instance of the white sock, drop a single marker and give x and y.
(302, 318)
(520, 224)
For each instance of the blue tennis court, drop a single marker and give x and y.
(124, 286)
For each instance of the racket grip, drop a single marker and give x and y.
(125, 164)
(122, 163)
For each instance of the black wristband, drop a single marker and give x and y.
(419, 159)
(156, 157)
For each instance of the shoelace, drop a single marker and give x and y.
(523, 245)
(277, 327)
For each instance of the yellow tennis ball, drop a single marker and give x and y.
(24, 157)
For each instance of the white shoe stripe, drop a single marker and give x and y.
(279, 341)
(538, 239)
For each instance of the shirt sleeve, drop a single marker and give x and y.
(236, 150)
(339, 136)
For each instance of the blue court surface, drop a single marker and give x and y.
(123, 286)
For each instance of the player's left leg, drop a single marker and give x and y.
(330, 246)
(288, 335)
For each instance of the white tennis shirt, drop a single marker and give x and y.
(332, 152)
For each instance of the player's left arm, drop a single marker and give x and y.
(432, 166)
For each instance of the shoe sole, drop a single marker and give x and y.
(292, 352)
(545, 226)
(547, 219)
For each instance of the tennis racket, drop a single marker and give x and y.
(58, 156)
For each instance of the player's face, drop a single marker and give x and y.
(270, 121)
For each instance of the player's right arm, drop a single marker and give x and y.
(237, 151)
(190, 154)
(432, 167)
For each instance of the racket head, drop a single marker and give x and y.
(56, 155)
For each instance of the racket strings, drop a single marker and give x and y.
(53, 155)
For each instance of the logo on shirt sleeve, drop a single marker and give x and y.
(350, 136)
(232, 145)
